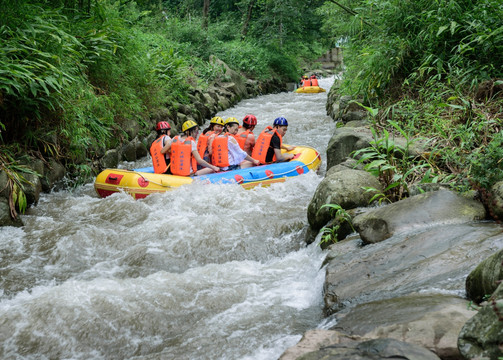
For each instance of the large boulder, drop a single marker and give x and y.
(372, 350)
(141, 149)
(313, 340)
(482, 335)
(344, 188)
(5, 217)
(496, 203)
(484, 279)
(239, 83)
(432, 208)
(429, 320)
(128, 151)
(32, 188)
(426, 257)
(131, 127)
(345, 141)
(110, 160)
(53, 172)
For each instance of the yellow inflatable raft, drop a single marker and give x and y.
(309, 90)
(143, 182)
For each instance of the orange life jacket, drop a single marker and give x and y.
(263, 143)
(314, 82)
(158, 158)
(242, 137)
(306, 82)
(202, 143)
(220, 151)
(181, 156)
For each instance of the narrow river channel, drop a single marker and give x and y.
(200, 272)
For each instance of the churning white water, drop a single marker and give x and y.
(200, 272)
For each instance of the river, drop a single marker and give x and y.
(200, 272)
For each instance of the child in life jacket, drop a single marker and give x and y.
(245, 136)
(227, 154)
(270, 142)
(206, 138)
(184, 154)
(159, 149)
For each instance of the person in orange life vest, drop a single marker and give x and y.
(244, 136)
(159, 149)
(270, 142)
(314, 80)
(226, 151)
(306, 81)
(203, 143)
(184, 154)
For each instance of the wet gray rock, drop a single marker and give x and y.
(110, 160)
(344, 142)
(357, 123)
(223, 103)
(181, 118)
(313, 340)
(5, 218)
(53, 172)
(433, 208)
(128, 152)
(342, 187)
(152, 136)
(496, 204)
(482, 335)
(131, 127)
(354, 116)
(202, 109)
(372, 350)
(422, 258)
(432, 321)
(32, 188)
(484, 279)
(141, 149)
(184, 109)
(239, 83)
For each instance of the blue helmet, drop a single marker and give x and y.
(281, 121)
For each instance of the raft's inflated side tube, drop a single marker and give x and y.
(310, 90)
(137, 184)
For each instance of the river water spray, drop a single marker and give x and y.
(200, 272)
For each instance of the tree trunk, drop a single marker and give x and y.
(206, 9)
(244, 30)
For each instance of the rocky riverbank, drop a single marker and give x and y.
(392, 289)
(48, 174)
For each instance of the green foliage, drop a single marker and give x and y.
(486, 162)
(392, 163)
(459, 42)
(74, 73)
(15, 180)
(330, 234)
(431, 67)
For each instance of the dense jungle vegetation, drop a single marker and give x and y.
(428, 70)
(72, 70)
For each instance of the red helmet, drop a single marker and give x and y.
(162, 125)
(250, 120)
